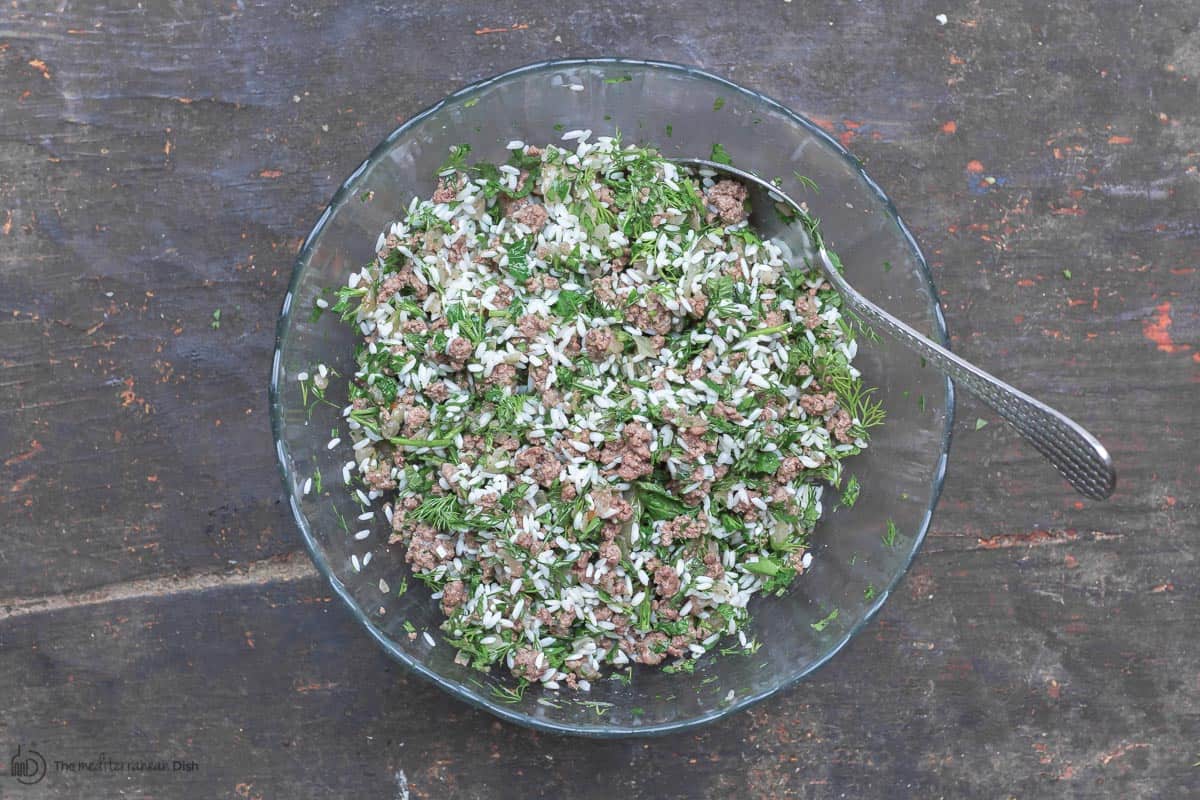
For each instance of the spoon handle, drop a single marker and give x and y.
(1077, 454)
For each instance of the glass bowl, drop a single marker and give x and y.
(683, 111)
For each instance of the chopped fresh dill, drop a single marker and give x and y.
(889, 538)
(823, 623)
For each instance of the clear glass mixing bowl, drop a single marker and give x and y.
(683, 111)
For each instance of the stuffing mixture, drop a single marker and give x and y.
(597, 410)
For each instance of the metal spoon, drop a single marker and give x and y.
(1077, 454)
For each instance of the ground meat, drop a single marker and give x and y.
(453, 596)
(504, 297)
(632, 450)
(446, 191)
(665, 611)
(542, 283)
(605, 195)
(746, 508)
(796, 561)
(455, 251)
(727, 198)
(699, 304)
(613, 584)
(788, 469)
(695, 444)
(622, 510)
(541, 462)
(683, 527)
(652, 649)
(532, 325)
(438, 392)
(569, 492)
(667, 581)
(649, 315)
(772, 319)
(807, 308)
(539, 378)
(506, 442)
(841, 423)
(678, 646)
(611, 553)
(502, 375)
(722, 411)
(818, 404)
(488, 501)
(599, 343)
(525, 662)
(422, 550)
(603, 290)
(380, 479)
(532, 214)
(713, 567)
(558, 624)
(414, 419)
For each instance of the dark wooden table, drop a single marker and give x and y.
(159, 162)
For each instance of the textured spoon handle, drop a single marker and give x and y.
(1077, 454)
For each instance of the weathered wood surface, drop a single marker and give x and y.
(161, 161)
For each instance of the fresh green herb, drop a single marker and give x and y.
(720, 154)
(442, 512)
(850, 493)
(456, 161)
(670, 130)
(889, 538)
(980, 424)
(621, 79)
(718, 104)
(316, 478)
(807, 182)
(514, 694)
(869, 593)
(474, 101)
(216, 319)
(887, 266)
(1067, 274)
(822, 624)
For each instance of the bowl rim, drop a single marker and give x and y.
(507, 713)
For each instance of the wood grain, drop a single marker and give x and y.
(161, 162)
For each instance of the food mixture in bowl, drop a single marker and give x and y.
(596, 409)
